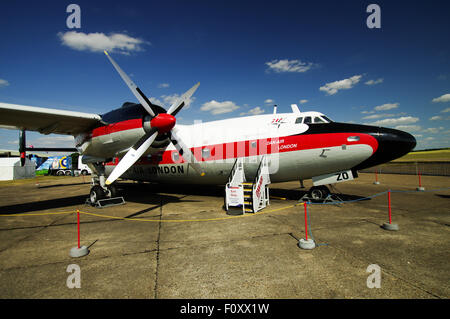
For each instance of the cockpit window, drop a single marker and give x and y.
(318, 120)
(326, 119)
(298, 120)
(308, 120)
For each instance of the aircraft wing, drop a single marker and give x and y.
(46, 120)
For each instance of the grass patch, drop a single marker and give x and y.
(426, 156)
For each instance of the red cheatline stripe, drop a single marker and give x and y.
(267, 146)
(117, 127)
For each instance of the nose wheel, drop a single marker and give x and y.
(97, 193)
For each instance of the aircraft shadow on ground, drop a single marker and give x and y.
(62, 185)
(61, 203)
(136, 191)
(152, 194)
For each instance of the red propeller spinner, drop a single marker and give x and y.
(163, 122)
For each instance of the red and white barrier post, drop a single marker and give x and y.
(420, 188)
(376, 179)
(390, 226)
(306, 243)
(78, 251)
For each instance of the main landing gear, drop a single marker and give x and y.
(102, 195)
(321, 194)
(318, 192)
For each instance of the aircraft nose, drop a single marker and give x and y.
(392, 144)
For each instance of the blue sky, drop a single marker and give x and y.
(248, 55)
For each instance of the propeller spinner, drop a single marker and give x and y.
(160, 123)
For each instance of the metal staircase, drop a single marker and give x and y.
(250, 196)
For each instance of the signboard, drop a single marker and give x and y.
(235, 195)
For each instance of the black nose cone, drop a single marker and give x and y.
(392, 144)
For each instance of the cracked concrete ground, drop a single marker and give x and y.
(181, 243)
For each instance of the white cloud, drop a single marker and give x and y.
(98, 42)
(345, 84)
(156, 101)
(3, 83)
(433, 130)
(286, 65)
(367, 112)
(387, 106)
(442, 98)
(215, 107)
(435, 118)
(373, 82)
(396, 121)
(255, 111)
(163, 85)
(303, 101)
(53, 141)
(446, 110)
(376, 116)
(409, 128)
(170, 99)
(269, 101)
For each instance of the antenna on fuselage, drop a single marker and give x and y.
(275, 109)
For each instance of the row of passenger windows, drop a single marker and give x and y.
(310, 119)
(206, 152)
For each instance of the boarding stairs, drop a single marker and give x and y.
(250, 196)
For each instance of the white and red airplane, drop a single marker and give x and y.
(152, 147)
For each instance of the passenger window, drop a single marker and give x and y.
(254, 144)
(308, 120)
(318, 120)
(298, 120)
(206, 153)
(175, 156)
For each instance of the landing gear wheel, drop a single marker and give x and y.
(111, 191)
(319, 192)
(96, 194)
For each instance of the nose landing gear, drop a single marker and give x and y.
(102, 195)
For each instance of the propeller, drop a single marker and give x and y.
(160, 123)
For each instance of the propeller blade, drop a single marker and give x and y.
(132, 156)
(178, 104)
(185, 152)
(133, 87)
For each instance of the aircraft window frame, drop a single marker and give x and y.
(320, 120)
(175, 156)
(310, 120)
(353, 138)
(206, 153)
(326, 118)
(299, 120)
